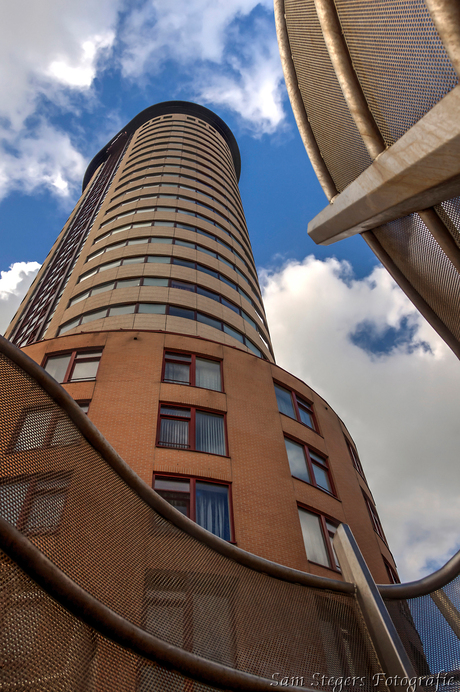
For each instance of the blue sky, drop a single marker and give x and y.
(72, 74)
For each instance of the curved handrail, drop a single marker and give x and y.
(426, 585)
(149, 496)
(116, 628)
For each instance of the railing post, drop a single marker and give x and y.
(390, 650)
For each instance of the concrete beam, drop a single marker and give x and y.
(420, 170)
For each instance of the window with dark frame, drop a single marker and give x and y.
(318, 533)
(192, 428)
(392, 575)
(193, 370)
(355, 458)
(308, 466)
(73, 366)
(42, 428)
(197, 614)
(34, 504)
(84, 405)
(295, 407)
(205, 502)
(374, 517)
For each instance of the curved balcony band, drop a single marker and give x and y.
(376, 97)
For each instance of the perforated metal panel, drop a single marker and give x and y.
(399, 59)
(403, 70)
(79, 512)
(335, 132)
(433, 621)
(449, 212)
(417, 254)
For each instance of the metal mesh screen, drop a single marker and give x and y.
(432, 623)
(419, 257)
(43, 647)
(399, 59)
(334, 129)
(70, 502)
(449, 212)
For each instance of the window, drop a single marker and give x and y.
(206, 503)
(158, 309)
(45, 427)
(318, 533)
(308, 466)
(75, 366)
(192, 612)
(189, 428)
(294, 407)
(392, 575)
(34, 504)
(374, 517)
(355, 458)
(181, 368)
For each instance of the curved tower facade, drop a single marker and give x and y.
(148, 310)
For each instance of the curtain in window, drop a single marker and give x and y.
(177, 372)
(212, 509)
(210, 436)
(174, 433)
(34, 430)
(12, 496)
(313, 537)
(208, 374)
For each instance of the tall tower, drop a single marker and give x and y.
(148, 310)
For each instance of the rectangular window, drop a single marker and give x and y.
(192, 612)
(293, 406)
(74, 366)
(355, 458)
(308, 466)
(374, 517)
(43, 428)
(392, 574)
(206, 503)
(181, 368)
(318, 533)
(34, 504)
(189, 428)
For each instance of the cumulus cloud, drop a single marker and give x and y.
(229, 50)
(47, 44)
(44, 158)
(253, 84)
(48, 51)
(14, 284)
(363, 346)
(158, 31)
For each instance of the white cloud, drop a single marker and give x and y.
(49, 50)
(254, 86)
(80, 73)
(400, 407)
(14, 284)
(234, 61)
(182, 31)
(46, 158)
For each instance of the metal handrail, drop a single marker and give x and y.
(426, 585)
